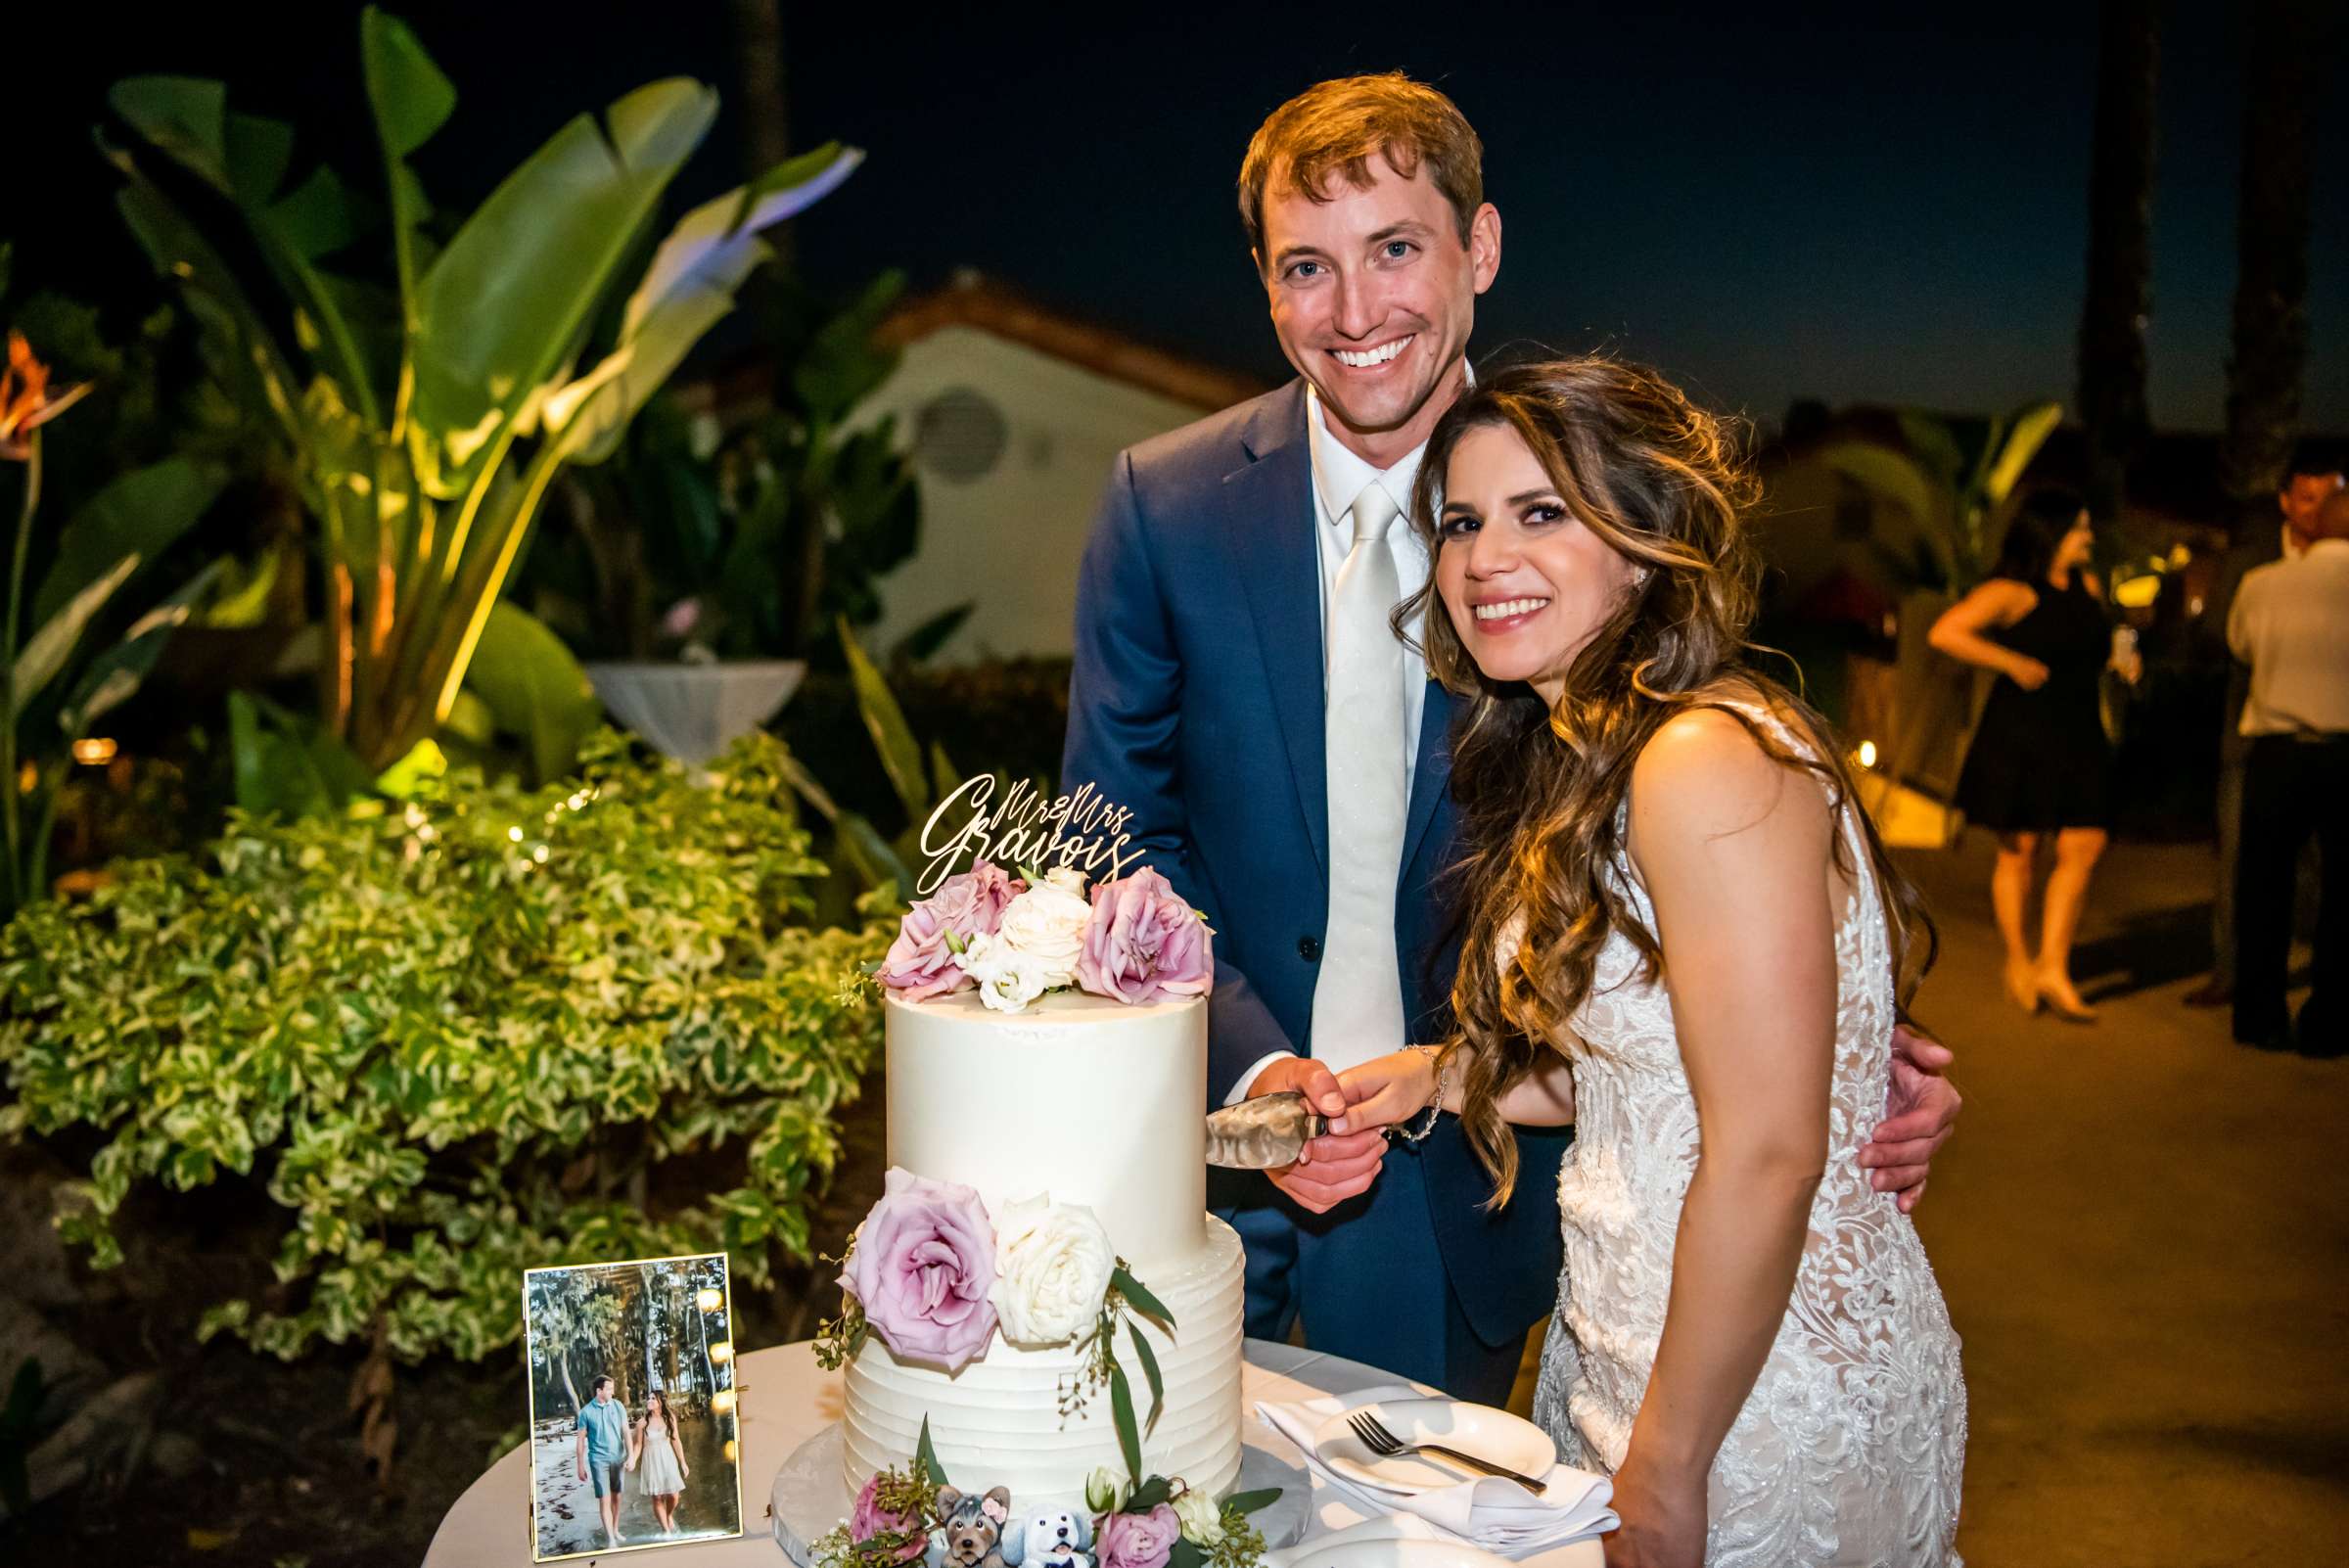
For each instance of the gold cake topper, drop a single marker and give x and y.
(1028, 828)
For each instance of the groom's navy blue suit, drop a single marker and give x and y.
(1197, 701)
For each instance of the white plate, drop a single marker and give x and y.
(1395, 1554)
(1477, 1429)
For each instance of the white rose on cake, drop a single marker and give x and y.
(1047, 923)
(1052, 1269)
(1009, 977)
(1201, 1520)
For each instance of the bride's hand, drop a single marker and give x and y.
(1663, 1514)
(1386, 1090)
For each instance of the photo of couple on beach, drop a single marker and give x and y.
(633, 1405)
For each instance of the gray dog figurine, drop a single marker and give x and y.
(973, 1527)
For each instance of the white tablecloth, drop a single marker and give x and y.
(787, 1399)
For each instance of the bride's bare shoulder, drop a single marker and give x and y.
(1706, 769)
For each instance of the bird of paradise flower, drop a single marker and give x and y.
(27, 404)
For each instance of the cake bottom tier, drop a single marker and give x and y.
(1000, 1422)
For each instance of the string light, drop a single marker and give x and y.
(707, 1299)
(1867, 754)
(723, 1400)
(722, 1350)
(733, 1452)
(96, 752)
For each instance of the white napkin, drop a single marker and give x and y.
(1498, 1515)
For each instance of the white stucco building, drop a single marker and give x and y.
(1014, 415)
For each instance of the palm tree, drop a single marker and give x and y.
(2270, 241)
(766, 101)
(558, 1302)
(2120, 248)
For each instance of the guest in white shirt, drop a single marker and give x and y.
(2308, 479)
(2291, 624)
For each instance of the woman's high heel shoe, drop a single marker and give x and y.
(2022, 988)
(2056, 990)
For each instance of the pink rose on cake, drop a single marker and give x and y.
(922, 1268)
(867, 1519)
(1145, 944)
(922, 962)
(1140, 1539)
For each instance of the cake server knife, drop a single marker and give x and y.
(1263, 1134)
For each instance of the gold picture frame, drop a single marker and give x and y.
(651, 1327)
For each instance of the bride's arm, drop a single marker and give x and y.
(1544, 1098)
(1399, 1086)
(1734, 850)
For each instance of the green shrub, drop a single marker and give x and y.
(456, 1039)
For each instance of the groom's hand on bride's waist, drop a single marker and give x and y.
(1919, 1109)
(1336, 1166)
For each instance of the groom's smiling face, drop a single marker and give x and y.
(1374, 293)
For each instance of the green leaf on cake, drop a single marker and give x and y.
(1253, 1501)
(1185, 1555)
(1138, 1296)
(1150, 1357)
(927, 1457)
(1148, 1496)
(1121, 1406)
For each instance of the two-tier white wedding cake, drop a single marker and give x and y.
(1082, 1100)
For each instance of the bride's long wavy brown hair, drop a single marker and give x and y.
(1539, 789)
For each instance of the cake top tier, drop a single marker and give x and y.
(1075, 1098)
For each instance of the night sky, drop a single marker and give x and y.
(1821, 200)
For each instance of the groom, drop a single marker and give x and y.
(602, 1451)
(1237, 685)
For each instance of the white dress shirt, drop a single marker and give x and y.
(1339, 474)
(2291, 624)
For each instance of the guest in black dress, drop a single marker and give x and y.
(2040, 766)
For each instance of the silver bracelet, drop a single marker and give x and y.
(1434, 1104)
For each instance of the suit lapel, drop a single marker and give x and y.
(1268, 529)
(1431, 773)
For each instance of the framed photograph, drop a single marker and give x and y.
(635, 1437)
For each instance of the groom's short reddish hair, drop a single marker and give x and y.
(1334, 127)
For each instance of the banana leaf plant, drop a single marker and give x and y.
(1953, 478)
(744, 542)
(428, 420)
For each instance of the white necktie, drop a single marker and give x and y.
(1357, 1002)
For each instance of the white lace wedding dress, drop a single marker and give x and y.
(1850, 1449)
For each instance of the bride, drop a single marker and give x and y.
(1683, 934)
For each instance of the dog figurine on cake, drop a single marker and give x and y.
(973, 1526)
(1054, 1537)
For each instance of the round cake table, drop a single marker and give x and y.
(787, 1399)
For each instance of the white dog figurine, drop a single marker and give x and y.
(1051, 1538)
